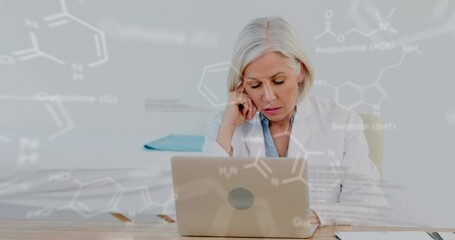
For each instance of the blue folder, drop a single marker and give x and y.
(183, 143)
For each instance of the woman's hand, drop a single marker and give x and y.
(314, 219)
(239, 108)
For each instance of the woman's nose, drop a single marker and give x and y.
(269, 94)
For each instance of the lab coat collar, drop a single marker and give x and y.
(254, 140)
(300, 133)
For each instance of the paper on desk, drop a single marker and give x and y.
(447, 235)
(173, 142)
(384, 235)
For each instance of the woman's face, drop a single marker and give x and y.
(272, 85)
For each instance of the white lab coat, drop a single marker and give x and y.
(343, 181)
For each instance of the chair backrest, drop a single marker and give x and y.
(375, 137)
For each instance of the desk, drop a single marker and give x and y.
(70, 230)
(95, 182)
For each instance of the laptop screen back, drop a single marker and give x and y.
(245, 197)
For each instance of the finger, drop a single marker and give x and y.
(245, 110)
(246, 101)
(246, 105)
(240, 88)
(243, 98)
(240, 100)
(240, 107)
(233, 98)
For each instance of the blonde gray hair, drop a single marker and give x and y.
(263, 35)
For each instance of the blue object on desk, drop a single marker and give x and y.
(183, 143)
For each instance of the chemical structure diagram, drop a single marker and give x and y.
(28, 146)
(54, 24)
(370, 95)
(209, 83)
(350, 94)
(129, 201)
(298, 170)
(384, 25)
(62, 119)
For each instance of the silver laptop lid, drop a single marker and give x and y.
(243, 197)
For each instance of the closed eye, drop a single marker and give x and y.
(277, 82)
(255, 85)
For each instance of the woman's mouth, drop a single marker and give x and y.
(272, 111)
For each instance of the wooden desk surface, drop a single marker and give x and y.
(70, 230)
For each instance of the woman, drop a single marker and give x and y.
(269, 114)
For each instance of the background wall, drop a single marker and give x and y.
(88, 76)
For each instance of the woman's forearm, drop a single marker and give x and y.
(224, 138)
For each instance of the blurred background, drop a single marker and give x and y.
(85, 83)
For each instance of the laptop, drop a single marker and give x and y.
(241, 197)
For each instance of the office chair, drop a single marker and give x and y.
(375, 137)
